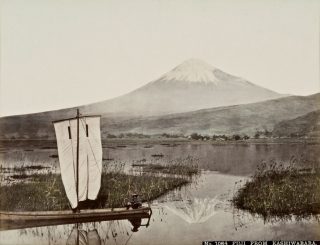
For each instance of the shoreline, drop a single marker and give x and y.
(170, 142)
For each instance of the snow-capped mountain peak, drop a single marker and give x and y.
(192, 70)
(190, 86)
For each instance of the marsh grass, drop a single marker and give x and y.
(183, 166)
(174, 169)
(149, 187)
(46, 191)
(277, 191)
(42, 192)
(157, 155)
(35, 187)
(23, 168)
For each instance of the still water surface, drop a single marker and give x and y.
(237, 159)
(196, 212)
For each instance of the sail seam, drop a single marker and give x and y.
(73, 160)
(91, 148)
(87, 175)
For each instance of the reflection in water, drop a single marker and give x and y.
(136, 223)
(83, 237)
(94, 233)
(171, 229)
(197, 202)
(196, 210)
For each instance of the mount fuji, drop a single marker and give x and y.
(190, 86)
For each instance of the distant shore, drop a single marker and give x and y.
(51, 144)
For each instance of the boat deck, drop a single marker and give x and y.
(19, 220)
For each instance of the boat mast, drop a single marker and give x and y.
(77, 186)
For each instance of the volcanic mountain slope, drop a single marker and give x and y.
(192, 85)
(239, 119)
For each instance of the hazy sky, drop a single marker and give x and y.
(62, 53)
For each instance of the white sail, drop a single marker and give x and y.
(90, 157)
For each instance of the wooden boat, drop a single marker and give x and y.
(19, 220)
(80, 158)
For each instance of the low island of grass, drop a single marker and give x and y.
(277, 192)
(172, 169)
(44, 192)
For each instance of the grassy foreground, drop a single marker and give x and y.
(46, 192)
(278, 192)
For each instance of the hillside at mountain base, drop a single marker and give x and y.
(240, 119)
(304, 126)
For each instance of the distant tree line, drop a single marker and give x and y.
(196, 136)
(128, 135)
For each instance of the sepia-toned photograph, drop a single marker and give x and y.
(159, 122)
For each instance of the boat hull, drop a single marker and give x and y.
(19, 220)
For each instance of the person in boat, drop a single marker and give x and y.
(135, 202)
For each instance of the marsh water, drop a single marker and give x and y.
(188, 215)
